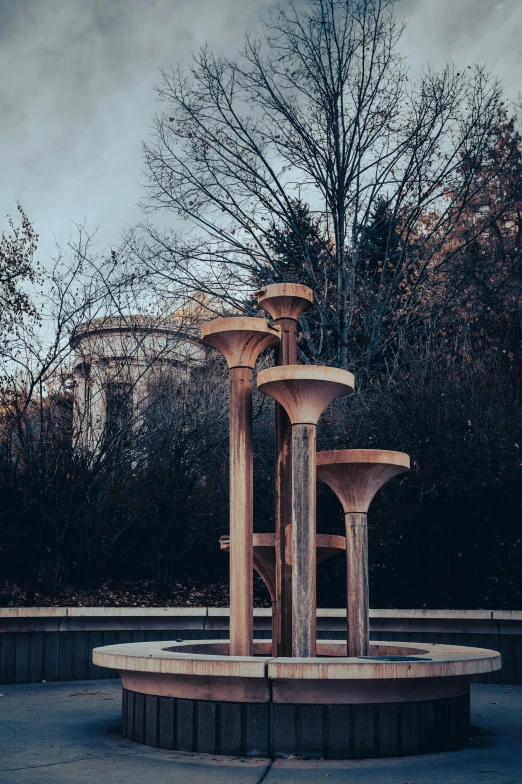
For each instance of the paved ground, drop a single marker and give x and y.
(69, 733)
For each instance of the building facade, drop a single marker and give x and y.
(115, 361)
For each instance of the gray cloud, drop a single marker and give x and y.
(468, 32)
(76, 97)
(77, 78)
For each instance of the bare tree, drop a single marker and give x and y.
(319, 108)
(70, 494)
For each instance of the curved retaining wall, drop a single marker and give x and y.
(55, 643)
(307, 731)
(399, 700)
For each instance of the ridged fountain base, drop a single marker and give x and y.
(193, 696)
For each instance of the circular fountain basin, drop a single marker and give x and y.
(404, 698)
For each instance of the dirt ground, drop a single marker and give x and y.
(127, 594)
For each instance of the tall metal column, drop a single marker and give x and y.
(241, 512)
(304, 560)
(357, 585)
(240, 340)
(285, 302)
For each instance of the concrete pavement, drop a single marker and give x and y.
(69, 732)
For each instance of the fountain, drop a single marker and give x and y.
(295, 695)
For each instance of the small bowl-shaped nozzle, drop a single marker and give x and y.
(285, 300)
(241, 340)
(355, 475)
(305, 391)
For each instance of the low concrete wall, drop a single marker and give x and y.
(55, 643)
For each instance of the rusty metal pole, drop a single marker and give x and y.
(357, 587)
(282, 622)
(303, 540)
(241, 512)
(304, 391)
(240, 340)
(285, 302)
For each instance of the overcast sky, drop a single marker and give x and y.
(77, 79)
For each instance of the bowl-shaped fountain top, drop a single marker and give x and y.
(285, 300)
(305, 391)
(355, 475)
(240, 339)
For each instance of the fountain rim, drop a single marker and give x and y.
(238, 324)
(289, 290)
(381, 457)
(292, 373)
(155, 657)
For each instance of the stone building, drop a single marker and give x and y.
(115, 360)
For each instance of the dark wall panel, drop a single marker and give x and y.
(32, 656)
